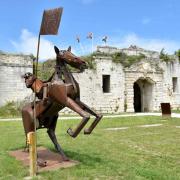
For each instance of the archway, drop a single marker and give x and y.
(143, 95)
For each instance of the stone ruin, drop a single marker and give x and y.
(110, 87)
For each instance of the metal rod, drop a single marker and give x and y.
(92, 44)
(34, 103)
(37, 56)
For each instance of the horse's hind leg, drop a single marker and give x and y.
(89, 110)
(52, 135)
(75, 107)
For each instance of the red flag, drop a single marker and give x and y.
(50, 21)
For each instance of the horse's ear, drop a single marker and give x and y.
(56, 50)
(69, 48)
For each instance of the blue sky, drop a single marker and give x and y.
(153, 24)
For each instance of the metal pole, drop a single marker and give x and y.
(36, 69)
(34, 103)
(92, 43)
(82, 48)
(37, 55)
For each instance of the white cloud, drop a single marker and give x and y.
(28, 45)
(149, 44)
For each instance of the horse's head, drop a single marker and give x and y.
(29, 79)
(68, 57)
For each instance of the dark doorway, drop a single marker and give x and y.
(106, 83)
(137, 98)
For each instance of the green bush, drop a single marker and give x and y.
(177, 53)
(89, 59)
(164, 56)
(126, 60)
(46, 69)
(11, 109)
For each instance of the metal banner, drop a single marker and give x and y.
(50, 21)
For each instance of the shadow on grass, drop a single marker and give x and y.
(86, 159)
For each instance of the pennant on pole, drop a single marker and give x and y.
(104, 39)
(50, 21)
(90, 35)
(78, 39)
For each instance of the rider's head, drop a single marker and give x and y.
(29, 79)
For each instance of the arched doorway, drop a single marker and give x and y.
(137, 98)
(143, 95)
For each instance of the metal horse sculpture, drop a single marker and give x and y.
(60, 91)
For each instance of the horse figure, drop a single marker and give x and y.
(60, 91)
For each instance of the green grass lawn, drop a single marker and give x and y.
(134, 153)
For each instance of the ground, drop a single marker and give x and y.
(138, 152)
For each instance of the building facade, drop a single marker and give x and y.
(113, 88)
(110, 87)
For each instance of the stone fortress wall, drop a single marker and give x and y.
(158, 82)
(111, 87)
(12, 86)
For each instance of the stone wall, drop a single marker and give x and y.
(172, 70)
(153, 76)
(91, 82)
(12, 86)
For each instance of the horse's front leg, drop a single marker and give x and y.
(70, 103)
(92, 112)
(59, 94)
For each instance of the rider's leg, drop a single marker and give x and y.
(27, 117)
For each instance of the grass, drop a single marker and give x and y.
(134, 153)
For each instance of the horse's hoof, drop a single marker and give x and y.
(70, 132)
(99, 117)
(86, 131)
(64, 158)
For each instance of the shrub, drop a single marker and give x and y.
(11, 109)
(164, 56)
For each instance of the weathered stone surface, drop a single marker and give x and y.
(12, 86)
(153, 76)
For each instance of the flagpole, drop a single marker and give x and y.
(82, 49)
(34, 104)
(92, 43)
(37, 55)
(36, 69)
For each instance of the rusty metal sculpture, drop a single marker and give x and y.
(60, 91)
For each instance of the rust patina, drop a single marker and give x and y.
(60, 91)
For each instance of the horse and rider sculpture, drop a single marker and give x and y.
(60, 91)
